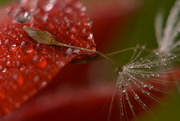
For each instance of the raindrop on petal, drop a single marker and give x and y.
(23, 15)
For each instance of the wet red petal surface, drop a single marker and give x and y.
(25, 65)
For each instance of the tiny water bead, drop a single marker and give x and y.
(117, 70)
(23, 15)
(122, 89)
(42, 63)
(13, 48)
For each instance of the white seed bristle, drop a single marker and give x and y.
(167, 36)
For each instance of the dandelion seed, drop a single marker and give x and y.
(142, 76)
(148, 76)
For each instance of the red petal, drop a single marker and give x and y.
(27, 66)
(79, 104)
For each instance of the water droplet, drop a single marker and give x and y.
(43, 84)
(90, 23)
(150, 86)
(30, 51)
(158, 75)
(144, 85)
(122, 89)
(156, 53)
(163, 58)
(77, 51)
(44, 52)
(42, 62)
(4, 70)
(122, 114)
(117, 70)
(83, 8)
(49, 5)
(131, 106)
(149, 67)
(22, 68)
(18, 63)
(8, 63)
(68, 10)
(22, 44)
(1, 68)
(69, 51)
(136, 97)
(45, 17)
(35, 58)
(6, 41)
(36, 79)
(13, 48)
(60, 64)
(23, 15)
(73, 30)
(78, 5)
(90, 37)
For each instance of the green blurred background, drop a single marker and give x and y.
(141, 31)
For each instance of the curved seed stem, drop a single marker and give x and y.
(46, 38)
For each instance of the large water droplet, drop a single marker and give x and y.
(23, 15)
